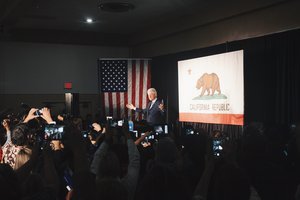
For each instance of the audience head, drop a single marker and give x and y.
(216, 134)
(19, 134)
(166, 151)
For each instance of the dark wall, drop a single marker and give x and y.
(271, 83)
(41, 68)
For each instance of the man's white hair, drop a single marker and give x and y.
(152, 90)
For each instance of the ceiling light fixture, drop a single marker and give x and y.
(89, 20)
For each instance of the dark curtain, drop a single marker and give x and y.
(286, 51)
(271, 83)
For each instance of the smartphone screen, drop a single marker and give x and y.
(161, 129)
(120, 122)
(217, 147)
(85, 133)
(54, 132)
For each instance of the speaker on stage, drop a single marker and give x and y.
(72, 104)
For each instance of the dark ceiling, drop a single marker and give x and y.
(63, 21)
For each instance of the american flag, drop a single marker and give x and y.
(122, 82)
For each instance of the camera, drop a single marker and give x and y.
(54, 132)
(38, 112)
(89, 134)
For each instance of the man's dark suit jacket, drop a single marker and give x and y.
(154, 115)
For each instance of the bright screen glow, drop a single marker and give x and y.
(211, 89)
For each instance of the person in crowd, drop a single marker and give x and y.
(154, 112)
(119, 168)
(222, 177)
(268, 176)
(5, 124)
(109, 163)
(163, 179)
(11, 149)
(216, 134)
(22, 157)
(19, 136)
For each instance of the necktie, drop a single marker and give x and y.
(151, 105)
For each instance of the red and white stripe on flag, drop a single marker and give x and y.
(139, 80)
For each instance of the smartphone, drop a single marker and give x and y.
(161, 129)
(85, 133)
(68, 179)
(54, 132)
(134, 134)
(217, 147)
(120, 122)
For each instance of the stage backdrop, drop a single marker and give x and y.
(211, 89)
(124, 81)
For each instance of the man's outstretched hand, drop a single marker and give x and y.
(130, 106)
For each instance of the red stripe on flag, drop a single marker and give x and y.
(141, 85)
(125, 102)
(118, 105)
(137, 97)
(110, 103)
(234, 119)
(149, 77)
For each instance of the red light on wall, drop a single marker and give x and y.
(68, 85)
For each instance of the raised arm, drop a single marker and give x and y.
(84, 181)
(6, 126)
(101, 151)
(201, 190)
(131, 179)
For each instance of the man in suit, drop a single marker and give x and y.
(154, 111)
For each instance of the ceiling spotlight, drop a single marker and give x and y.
(89, 20)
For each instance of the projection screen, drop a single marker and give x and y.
(211, 89)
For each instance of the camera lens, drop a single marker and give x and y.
(38, 113)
